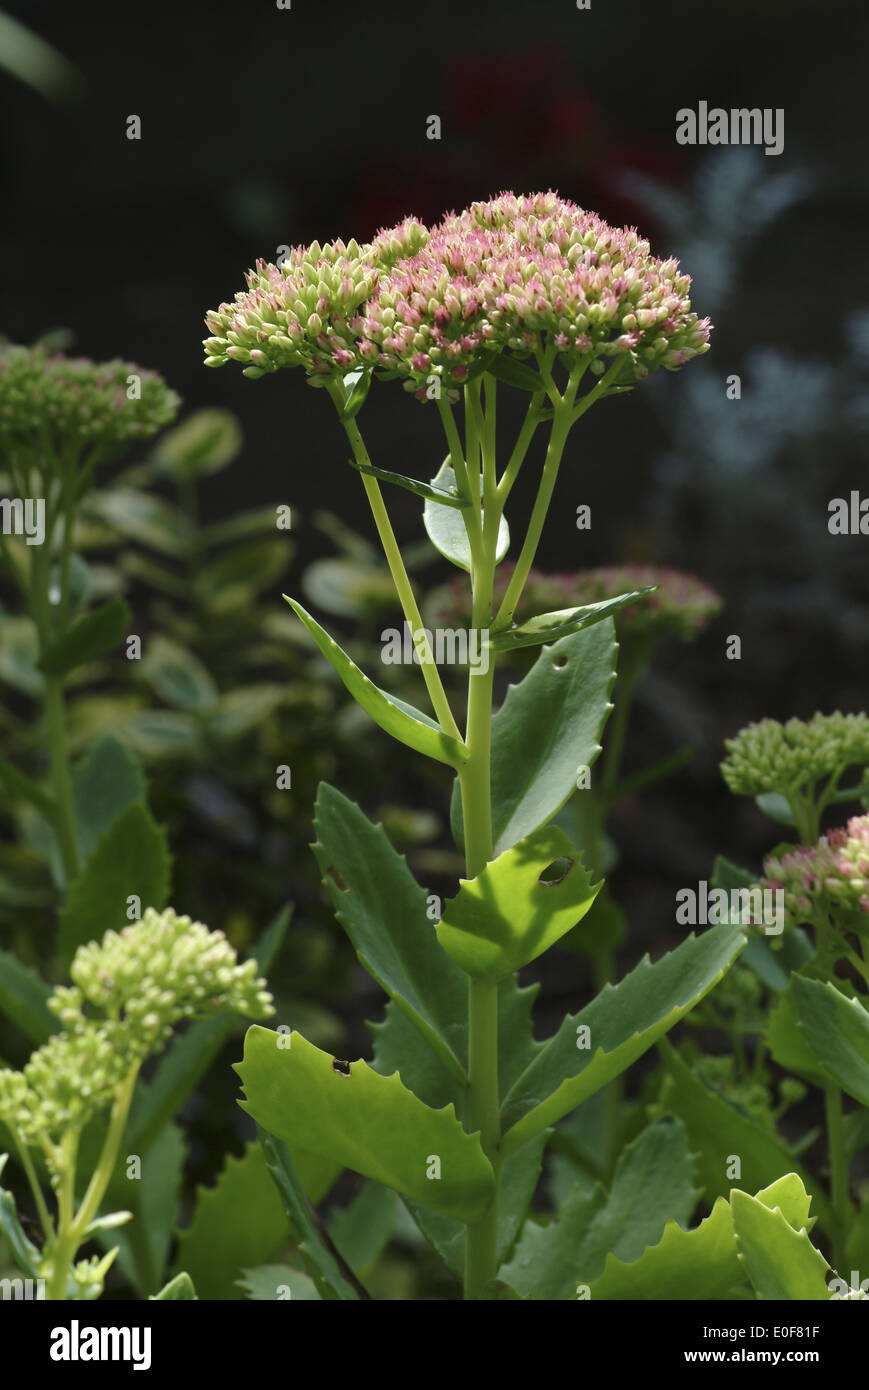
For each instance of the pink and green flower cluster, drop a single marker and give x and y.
(817, 878)
(511, 274)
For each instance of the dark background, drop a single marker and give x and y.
(263, 127)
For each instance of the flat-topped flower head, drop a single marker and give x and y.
(297, 313)
(75, 402)
(771, 757)
(502, 273)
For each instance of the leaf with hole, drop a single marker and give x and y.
(364, 1121)
(518, 906)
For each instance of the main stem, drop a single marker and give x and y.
(484, 1099)
(838, 1173)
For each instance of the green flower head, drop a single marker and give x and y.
(49, 401)
(773, 757)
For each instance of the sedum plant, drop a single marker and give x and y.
(127, 993)
(815, 1022)
(455, 1110)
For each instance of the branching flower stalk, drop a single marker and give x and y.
(128, 992)
(60, 419)
(532, 291)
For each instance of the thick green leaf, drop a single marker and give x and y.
(774, 805)
(652, 1184)
(232, 581)
(19, 787)
(363, 1228)
(145, 518)
(548, 726)
(22, 1250)
(190, 1054)
(837, 1032)
(22, 999)
(781, 1263)
(91, 637)
(514, 911)
(332, 1277)
(177, 676)
(178, 1290)
(405, 723)
(202, 444)
(364, 1121)
(446, 527)
(786, 1042)
(131, 858)
(236, 1224)
(699, 1264)
(514, 372)
(143, 1247)
(428, 491)
(623, 1022)
(383, 910)
(549, 627)
(278, 1282)
(520, 1174)
(357, 384)
(104, 783)
(720, 1131)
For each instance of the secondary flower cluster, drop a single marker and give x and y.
(142, 981)
(497, 276)
(75, 402)
(773, 757)
(682, 604)
(832, 873)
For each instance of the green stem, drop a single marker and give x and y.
(560, 429)
(104, 1171)
(484, 1101)
(27, 1164)
(67, 835)
(839, 1181)
(67, 1242)
(428, 666)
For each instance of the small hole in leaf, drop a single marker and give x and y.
(560, 661)
(334, 874)
(342, 1068)
(556, 872)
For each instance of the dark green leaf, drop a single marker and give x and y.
(623, 1022)
(383, 910)
(446, 530)
(91, 637)
(104, 783)
(549, 627)
(131, 859)
(511, 370)
(448, 498)
(548, 726)
(324, 1264)
(837, 1032)
(22, 1000)
(402, 721)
